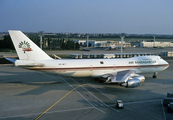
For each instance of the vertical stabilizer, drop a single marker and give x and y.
(26, 49)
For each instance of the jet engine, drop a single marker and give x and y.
(133, 81)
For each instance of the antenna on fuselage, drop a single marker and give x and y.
(122, 39)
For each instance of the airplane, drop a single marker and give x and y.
(123, 71)
(113, 47)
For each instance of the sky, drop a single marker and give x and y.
(87, 16)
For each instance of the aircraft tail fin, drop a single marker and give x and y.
(26, 49)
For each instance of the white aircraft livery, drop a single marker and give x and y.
(124, 71)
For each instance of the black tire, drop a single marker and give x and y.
(154, 76)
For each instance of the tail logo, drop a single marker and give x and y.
(25, 46)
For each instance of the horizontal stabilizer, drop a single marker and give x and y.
(32, 65)
(11, 59)
(29, 64)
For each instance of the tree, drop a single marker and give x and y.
(6, 43)
(62, 43)
(77, 46)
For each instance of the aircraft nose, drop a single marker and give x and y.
(167, 64)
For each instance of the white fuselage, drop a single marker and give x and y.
(96, 67)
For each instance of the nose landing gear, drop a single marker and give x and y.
(154, 75)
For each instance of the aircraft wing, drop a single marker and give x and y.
(120, 76)
(126, 78)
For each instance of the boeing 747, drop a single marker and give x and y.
(124, 71)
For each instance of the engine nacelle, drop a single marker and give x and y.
(131, 83)
(140, 77)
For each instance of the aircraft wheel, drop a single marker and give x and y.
(96, 79)
(154, 76)
(101, 81)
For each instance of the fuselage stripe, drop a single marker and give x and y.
(97, 68)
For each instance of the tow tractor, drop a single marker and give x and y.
(119, 104)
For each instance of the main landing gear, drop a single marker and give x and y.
(154, 75)
(99, 79)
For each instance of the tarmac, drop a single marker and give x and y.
(28, 95)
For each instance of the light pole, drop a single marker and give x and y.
(122, 39)
(154, 41)
(50, 44)
(41, 34)
(87, 40)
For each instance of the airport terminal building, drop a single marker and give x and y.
(150, 43)
(156, 44)
(94, 43)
